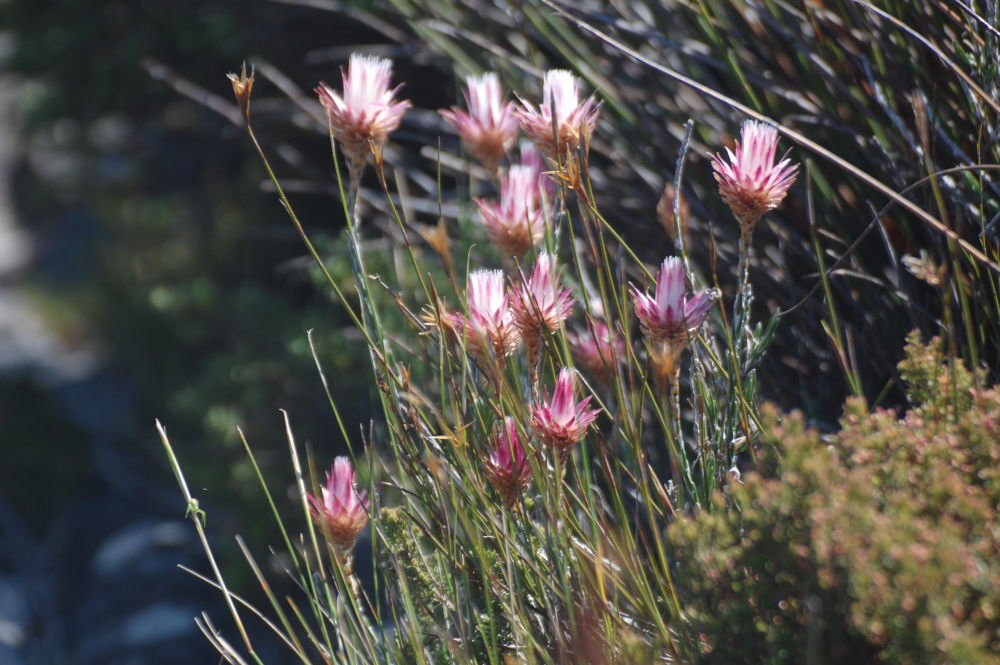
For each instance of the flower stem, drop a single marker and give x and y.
(741, 306)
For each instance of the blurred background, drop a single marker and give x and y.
(144, 274)
(148, 271)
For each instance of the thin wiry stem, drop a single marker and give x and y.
(197, 517)
(742, 302)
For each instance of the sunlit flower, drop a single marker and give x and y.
(539, 304)
(670, 316)
(507, 466)
(598, 350)
(750, 182)
(574, 121)
(517, 222)
(366, 114)
(489, 129)
(343, 511)
(561, 421)
(489, 330)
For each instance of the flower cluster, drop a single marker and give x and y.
(488, 377)
(498, 318)
(367, 113)
(557, 128)
(489, 129)
(561, 123)
(538, 303)
(670, 317)
(560, 420)
(598, 349)
(507, 466)
(342, 512)
(750, 182)
(516, 223)
(488, 330)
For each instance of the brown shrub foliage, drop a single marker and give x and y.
(878, 544)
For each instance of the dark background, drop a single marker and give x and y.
(147, 274)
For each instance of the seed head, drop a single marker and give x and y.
(242, 86)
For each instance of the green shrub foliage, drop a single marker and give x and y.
(878, 544)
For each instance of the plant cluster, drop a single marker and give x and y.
(517, 518)
(570, 465)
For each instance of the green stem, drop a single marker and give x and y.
(196, 517)
(741, 306)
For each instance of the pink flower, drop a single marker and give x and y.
(507, 466)
(517, 222)
(343, 512)
(489, 329)
(561, 421)
(574, 121)
(533, 159)
(750, 182)
(490, 127)
(538, 304)
(669, 316)
(366, 114)
(598, 350)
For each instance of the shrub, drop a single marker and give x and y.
(878, 544)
